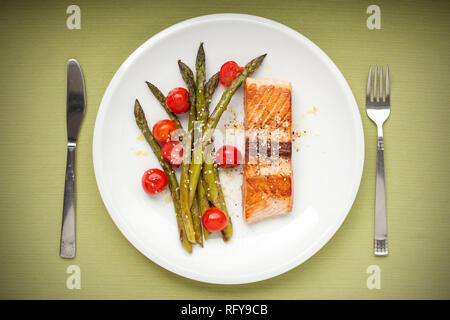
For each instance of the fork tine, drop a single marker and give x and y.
(381, 83)
(375, 84)
(369, 84)
(388, 97)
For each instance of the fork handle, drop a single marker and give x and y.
(67, 245)
(380, 236)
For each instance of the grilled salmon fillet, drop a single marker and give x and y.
(267, 181)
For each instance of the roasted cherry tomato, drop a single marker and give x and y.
(228, 72)
(154, 181)
(178, 100)
(163, 129)
(172, 151)
(228, 156)
(214, 220)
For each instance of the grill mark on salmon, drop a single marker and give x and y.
(265, 108)
(274, 114)
(270, 95)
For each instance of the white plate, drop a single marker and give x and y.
(327, 168)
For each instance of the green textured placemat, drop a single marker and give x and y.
(35, 46)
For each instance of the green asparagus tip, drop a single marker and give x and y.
(200, 61)
(255, 63)
(188, 76)
(150, 86)
(137, 107)
(139, 114)
(153, 88)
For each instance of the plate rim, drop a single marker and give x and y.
(164, 263)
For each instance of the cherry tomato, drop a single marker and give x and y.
(163, 129)
(228, 156)
(178, 100)
(214, 220)
(172, 151)
(228, 72)
(154, 181)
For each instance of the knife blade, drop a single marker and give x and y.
(76, 106)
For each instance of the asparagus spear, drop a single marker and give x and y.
(202, 116)
(217, 113)
(215, 190)
(212, 192)
(227, 232)
(228, 94)
(197, 221)
(210, 87)
(188, 78)
(215, 194)
(203, 203)
(173, 183)
(162, 100)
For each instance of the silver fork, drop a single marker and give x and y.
(378, 110)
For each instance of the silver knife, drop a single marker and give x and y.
(76, 105)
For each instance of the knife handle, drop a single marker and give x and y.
(67, 248)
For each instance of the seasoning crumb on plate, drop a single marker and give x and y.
(299, 133)
(311, 111)
(141, 152)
